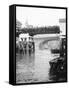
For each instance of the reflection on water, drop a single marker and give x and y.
(33, 67)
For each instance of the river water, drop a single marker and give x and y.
(34, 67)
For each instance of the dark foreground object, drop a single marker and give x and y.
(58, 66)
(58, 69)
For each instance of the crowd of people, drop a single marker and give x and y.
(25, 46)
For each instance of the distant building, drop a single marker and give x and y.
(18, 25)
(28, 25)
(62, 23)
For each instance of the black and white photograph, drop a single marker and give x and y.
(40, 45)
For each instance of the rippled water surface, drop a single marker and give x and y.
(34, 67)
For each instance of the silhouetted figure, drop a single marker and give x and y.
(63, 48)
(21, 48)
(25, 45)
(33, 44)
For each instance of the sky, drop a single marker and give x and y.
(39, 16)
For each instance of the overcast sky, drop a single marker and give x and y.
(39, 16)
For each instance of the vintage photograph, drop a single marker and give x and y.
(40, 45)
